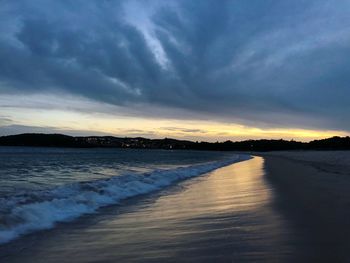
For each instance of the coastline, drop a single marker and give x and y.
(225, 215)
(271, 208)
(319, 189)
(71, 201)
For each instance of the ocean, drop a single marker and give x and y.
(40, 187)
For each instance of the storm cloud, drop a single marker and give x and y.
(272, 63)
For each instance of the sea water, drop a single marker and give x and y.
(40, 187)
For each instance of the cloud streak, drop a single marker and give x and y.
(263, 63)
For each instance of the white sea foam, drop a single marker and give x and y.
(29, 212)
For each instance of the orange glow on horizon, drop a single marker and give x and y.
(65, 121)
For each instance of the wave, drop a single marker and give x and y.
(32, 211)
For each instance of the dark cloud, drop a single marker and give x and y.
(183, 130)
(265, 63)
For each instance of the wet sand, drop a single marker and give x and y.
(317, 184)
(233, 214)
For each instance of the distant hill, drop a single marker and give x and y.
(29, 139)
(60, 140)
(334, 143)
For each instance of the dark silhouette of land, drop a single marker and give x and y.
(59, 140)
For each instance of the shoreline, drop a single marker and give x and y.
(224, 215)
(270, 208)
(76, 200)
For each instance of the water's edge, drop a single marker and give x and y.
(41, 210)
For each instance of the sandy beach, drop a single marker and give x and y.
(317, 183)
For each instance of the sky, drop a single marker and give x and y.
(199, 70)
